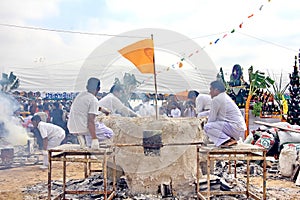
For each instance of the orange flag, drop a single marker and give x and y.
(141, 55)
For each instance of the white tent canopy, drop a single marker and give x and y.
(107, 64)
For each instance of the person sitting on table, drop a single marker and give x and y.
(225, 123)
(83, 114)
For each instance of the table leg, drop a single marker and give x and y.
(49, 173)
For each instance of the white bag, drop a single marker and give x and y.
(287, 161)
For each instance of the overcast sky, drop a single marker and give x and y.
(268, 39)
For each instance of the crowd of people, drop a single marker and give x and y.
(55, 122)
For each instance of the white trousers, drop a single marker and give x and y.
(53, 142)
(56, 141)
(221, 131)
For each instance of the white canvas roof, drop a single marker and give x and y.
(107, 64)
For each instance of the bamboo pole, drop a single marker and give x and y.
(247, 106)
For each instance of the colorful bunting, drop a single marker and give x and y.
(260, 8)
(250, 16)
(217, 40)
(224, 36)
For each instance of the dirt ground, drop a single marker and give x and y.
(13, 180)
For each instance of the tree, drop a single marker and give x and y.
(9, 83)
(258, 80)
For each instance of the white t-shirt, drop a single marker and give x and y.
(85, 103)
(146, 109)
(49, 130)
(115, 105)
(223, 108)
(203, 102)
(175, 112)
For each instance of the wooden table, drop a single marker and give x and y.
(231, 154)
(72, 153)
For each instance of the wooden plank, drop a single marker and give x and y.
(277, 126)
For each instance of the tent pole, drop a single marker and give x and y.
(155, 84)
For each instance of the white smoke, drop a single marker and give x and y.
(11, 128)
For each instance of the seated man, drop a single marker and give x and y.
(102, 132)
(52, 135)
(226, 123)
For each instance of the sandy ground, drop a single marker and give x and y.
(14, 180)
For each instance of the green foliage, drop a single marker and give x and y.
(257, 109)
(279, 90)
(258, 80)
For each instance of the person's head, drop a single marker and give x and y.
(41, 108)
(117, 90)
(145, 98)
(216, 87)
(174, 105)
(190, 104)
(172, 97)
(35, 120)
(93, 85)
(192, 94)
(56, 105)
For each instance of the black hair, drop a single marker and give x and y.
(218, 85)
(36, 118)
(93, 84)
(56, 104)
(192, 93)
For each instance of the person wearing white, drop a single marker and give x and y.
(175, 111)
(83, 114)
(225, 121)
(113, 103)
(203, 104)
(146, 109)
(102, 132)
(52, 135)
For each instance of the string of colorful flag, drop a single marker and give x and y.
(179, 64)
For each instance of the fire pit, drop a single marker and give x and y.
(155, 162)
(152, 142)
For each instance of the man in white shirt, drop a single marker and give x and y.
(146, 109)
(226, 123)
(113, 103)
(203, 104)
(175, 111)
(51, 134)
(83, 114)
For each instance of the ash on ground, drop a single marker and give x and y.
(220, 179)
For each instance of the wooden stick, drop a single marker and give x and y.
(277, 126)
